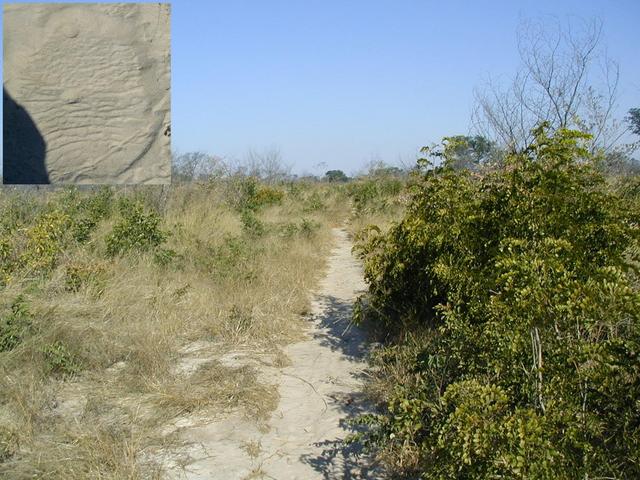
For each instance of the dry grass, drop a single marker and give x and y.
(87, 390)
(376, 202)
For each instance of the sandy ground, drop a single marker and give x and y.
(318, 392)
(86, 93)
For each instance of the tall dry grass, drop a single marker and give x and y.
(103, 359)
(378, 200)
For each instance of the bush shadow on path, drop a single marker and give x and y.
(340, 460)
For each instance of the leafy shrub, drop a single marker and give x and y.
(82, 229)
(164, 256)
(234, 258)
(15, 325)
(99, 204)
(267, 195)
(374, 194)
(46, 240)
(137, 230)
(251, 195)
(18, 210)
(59, 360)
(523, 280)
(7, 260)
(251, 224)
(35, 234)
(84, 211)
(288, 229)
(313, 203)
(295, 189)
(308, 227)
(90, 210)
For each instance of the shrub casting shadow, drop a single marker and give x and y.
(338, 332)
(339, 460)
(24, 148)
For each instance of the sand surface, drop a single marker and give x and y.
(86, 93)
(318, 391)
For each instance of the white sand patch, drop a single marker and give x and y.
(92, 81)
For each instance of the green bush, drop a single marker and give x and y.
(33, 235)
(288, 229)
(59, 360)
(266, 195)
(46, 240)
(166, 256)
(89, 212)
(84, 210)
(136, 231)
(374, 194)
(251, 224)
(18, 210)
(295, 189)
(523, 280)
(250, 194)
(14, 325)
(308, 227)
(234, 258)
(7, 260)
(313, 203)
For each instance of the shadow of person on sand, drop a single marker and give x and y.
(24, 148)
(338, 459)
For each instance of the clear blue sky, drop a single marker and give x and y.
(340, 83)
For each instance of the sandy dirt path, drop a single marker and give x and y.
(318, 391)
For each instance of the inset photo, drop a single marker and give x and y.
(86, 93)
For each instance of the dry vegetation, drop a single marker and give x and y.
(508, 298)
(116, 308)
(379, 198)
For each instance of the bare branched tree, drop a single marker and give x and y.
(267, 165)
(565, 79)
(633, 118)
(192, 166)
